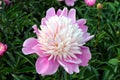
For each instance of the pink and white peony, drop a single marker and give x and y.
(60, 42)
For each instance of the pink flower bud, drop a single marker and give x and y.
(90, 2)
(3, 48)
(69, 2)
(7, 2)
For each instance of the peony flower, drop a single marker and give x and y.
(3, 48)
(90, 2)
(7, 2)
(60, 42)
(69, 2)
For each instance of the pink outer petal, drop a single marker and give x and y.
(59, 12)
(81, 24)
(85, 56)
(38, 51)
(69, 67)
(64, 12)
(28, 44)
(73, 60)
(45, 66)
(70, 2)
(50, 13)
(43, 21)
(36, 30)
(72, 15)
(81, 21)
(87, 37)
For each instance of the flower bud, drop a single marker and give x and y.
(3, 48)
(90, 2)
(7, 2)
(99, 6)
(117, 32)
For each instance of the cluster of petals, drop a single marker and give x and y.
(60, 42)
(90, 2)
(69, 2)
(3, 48)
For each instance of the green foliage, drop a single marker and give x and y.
(17, 18)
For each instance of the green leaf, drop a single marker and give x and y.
(15, 77)
(27, 69)
(113, 61)
(118, 49)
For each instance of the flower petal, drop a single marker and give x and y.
(59, 12)
(72, 15)
(50, 13)
(64, 12)
(69, 67)
(87, 37)
(81, 21)
(28, 44)
(36, 30)
(82, 25)
(45, 66)
(85, 56)
(43, 21)
(73, 60)
(38, 51)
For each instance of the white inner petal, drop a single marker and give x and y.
(61, 38)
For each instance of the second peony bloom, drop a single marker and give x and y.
(60, 42)
(3, 48)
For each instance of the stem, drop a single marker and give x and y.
(70, 77)
(65, 76)
(98, 20)
(98, 27)
(62, 74)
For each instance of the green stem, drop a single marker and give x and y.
(65, 75)
(62, 74)
(98, 26)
